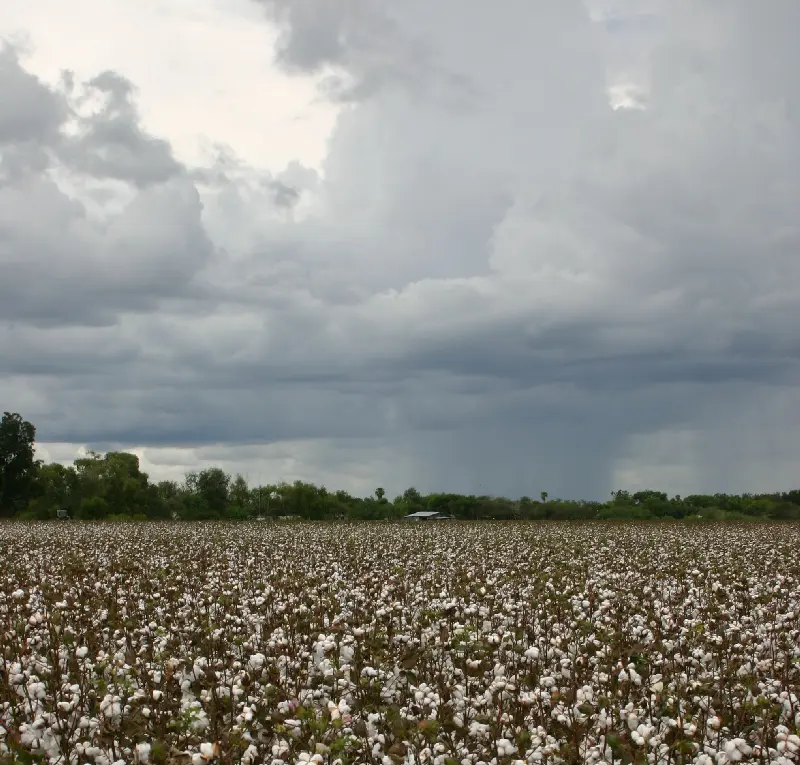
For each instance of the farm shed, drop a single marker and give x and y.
(428, 515)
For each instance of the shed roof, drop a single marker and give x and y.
(423, 514)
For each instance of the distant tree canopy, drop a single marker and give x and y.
(17, 464)
(112, 485)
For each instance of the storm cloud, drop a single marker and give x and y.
(496, 282)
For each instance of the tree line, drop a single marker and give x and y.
(113, 486)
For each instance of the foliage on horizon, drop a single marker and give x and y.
(112, 485)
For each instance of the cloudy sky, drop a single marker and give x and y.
(484, 247)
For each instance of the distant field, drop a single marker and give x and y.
(429, 643)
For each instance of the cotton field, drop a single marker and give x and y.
(433, 643)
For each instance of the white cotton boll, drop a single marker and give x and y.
(157, 695)
(787, 746)
(143, 753)
(207, 750)
(732, 751)
(18, 594)
(257, 660)
(743, 747)
(623, 676)
(505, 748)
(82, 652)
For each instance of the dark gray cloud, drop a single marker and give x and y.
(60, 266)
(511, 289)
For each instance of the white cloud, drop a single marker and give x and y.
(203, 70)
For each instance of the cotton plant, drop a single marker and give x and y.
(388, 644)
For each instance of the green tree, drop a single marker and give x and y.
(117, 479)
(214, 485)
(170, 497)
(124, 486)
(17, 463)
(306, 500)
(90, 473)
(56, 488)
(240, 497)
(412, 500)
(94, 508)
(208, 493)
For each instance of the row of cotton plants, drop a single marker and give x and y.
(449, 644)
